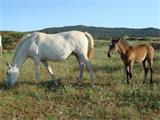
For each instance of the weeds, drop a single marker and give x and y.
(52, 99)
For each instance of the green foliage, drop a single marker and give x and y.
(10, 39)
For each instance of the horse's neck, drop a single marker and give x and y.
(123, 49)
(19, 58)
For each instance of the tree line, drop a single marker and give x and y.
(104, 33)
(10, 38)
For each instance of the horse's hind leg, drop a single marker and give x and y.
(151, 70)
(130, 70)
(145, 70)
(48, 67)
(81, 65)
(89, 66)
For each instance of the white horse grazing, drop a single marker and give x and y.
(42, 47)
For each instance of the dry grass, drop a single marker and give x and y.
(112, 98)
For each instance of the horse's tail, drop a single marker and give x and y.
(90, 45)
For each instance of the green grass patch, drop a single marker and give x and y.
(111, 98)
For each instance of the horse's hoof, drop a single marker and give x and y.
(144, 81)
(55, 83)
(151, 82)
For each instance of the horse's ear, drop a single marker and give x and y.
(121, 38)
(116, 41)
(15, 65)
(9, 65)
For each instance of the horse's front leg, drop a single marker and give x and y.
(130, 65)
(127, 73)
(49, 69)
(37, 69)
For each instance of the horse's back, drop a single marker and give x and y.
(57, 46)
(62, 36)
(145, 47)
(74, 36)
(143, 51)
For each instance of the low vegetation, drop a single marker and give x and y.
(111, 98)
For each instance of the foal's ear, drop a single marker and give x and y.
(116, 41)
(121, 38)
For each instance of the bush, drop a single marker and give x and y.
(10, 39)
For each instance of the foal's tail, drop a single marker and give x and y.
(90, 45)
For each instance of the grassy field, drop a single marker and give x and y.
(111, 98)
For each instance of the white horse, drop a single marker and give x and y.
(41, 47)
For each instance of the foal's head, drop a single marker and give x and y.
(113, 46)
(12, 75)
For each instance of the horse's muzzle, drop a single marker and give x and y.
(9, 84)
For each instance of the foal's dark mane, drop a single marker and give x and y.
(124, 42)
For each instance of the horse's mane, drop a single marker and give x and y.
(124, 42)
(21, 41)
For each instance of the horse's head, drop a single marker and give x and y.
(12, 75)
(113, 46)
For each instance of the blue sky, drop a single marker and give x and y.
(26, 15)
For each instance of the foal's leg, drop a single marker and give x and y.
(48, 67)
(145, 70)
(127, 73)
(130, 69)
(151, 70)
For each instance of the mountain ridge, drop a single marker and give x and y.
(105, 32)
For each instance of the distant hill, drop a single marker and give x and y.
(102, 32)
(10, 38)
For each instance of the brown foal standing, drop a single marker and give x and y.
(141, 53)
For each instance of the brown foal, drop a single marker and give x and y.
(141, 53)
